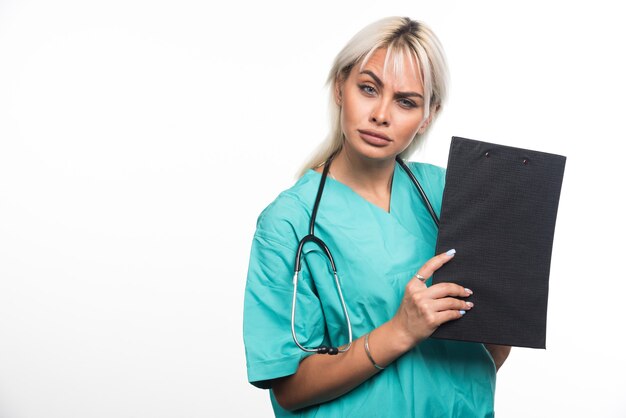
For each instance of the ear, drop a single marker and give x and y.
(434, 110)
(422, 128)
(338, 90)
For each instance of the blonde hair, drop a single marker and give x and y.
(402, 37)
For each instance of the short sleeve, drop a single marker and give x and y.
(270, 350)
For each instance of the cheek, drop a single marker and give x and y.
(410, 125)
(355, 107)
(351, 114)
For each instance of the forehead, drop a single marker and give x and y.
(398, 68)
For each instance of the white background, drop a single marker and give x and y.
(139, 140)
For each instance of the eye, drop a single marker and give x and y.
(367, 89)
(407, 104)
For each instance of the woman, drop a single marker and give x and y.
(387, 85)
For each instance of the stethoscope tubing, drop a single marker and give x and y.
(313, 239)
(417, 184)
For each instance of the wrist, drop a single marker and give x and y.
(369, 353)
(402, 340)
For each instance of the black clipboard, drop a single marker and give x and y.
(499, 212)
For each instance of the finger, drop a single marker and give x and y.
(443, 290)
(447, 304)
(447, 316)
(417, 283)
(435, 263)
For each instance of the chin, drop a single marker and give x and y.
(376, 153)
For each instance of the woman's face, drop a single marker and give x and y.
(381, 112)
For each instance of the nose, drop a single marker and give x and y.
(380, 114)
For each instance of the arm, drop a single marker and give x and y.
(499, 353)
(321, 378)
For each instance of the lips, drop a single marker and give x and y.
(374, 138)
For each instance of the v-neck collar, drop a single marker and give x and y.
(337, 183)
(346, 220)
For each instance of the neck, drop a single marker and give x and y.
(369, 178)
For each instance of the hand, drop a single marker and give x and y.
(423, 309)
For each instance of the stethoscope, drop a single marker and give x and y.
(312, 238)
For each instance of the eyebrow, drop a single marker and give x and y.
(380, 84)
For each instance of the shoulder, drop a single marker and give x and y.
(432, 179)
(288, 214)
(430, 176)
(427, 171)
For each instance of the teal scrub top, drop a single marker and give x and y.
(376, 253)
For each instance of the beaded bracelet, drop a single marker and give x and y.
(369, 355)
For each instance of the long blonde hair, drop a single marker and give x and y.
(402, 37)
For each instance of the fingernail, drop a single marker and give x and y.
(462, 312)
(469, 304)
(469, 291)
(451, 252)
